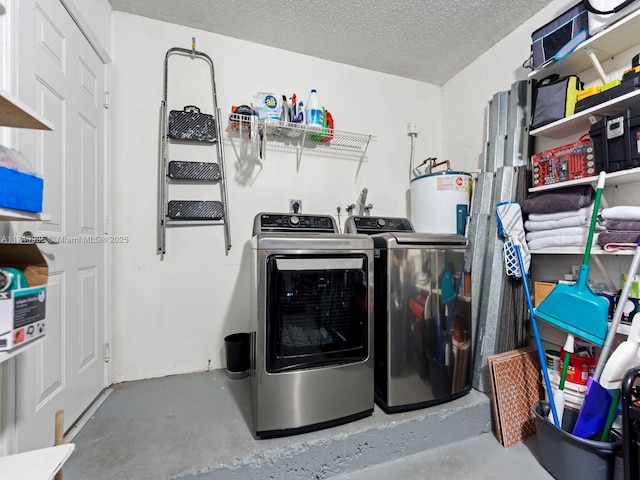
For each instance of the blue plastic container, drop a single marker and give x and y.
(20, 191)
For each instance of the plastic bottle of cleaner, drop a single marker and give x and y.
(313, 110)
(300, 117)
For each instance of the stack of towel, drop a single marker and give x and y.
(559, 218)
(622, 228)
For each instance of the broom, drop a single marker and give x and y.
(510, 226)
(575, 308)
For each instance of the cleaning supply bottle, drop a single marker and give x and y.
(300, 117)
(313, 111)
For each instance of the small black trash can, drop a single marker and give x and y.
(236, 348)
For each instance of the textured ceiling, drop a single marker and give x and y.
(429, 40)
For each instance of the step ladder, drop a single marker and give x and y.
(190, 126)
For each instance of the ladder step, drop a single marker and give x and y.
(195, 210)
(189, 124)
(202, 171)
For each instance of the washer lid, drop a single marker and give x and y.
(430, 239)
(311, 241)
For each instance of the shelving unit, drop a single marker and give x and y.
(608, 43)
(301, 136)
(42, 464)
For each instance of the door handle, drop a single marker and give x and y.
(29, 237)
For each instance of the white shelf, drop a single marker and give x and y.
(11, 215)
(620, 177)
(619, 37)
(582, 121)
(14, 113)
(578, 251)
(4, 356)
(40, 464)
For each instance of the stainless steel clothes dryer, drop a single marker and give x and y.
(422, 314)
(311, 323)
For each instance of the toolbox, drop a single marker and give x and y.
(616, 140)
(630, 82)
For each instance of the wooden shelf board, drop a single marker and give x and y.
(620, 177)
(6, 355)
(14, 113)
(582, 121)
(11, 215)
(40, 464)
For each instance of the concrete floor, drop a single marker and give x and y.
(198, 426)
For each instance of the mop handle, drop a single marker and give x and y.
(536, 334)
(594, 217)
(617, 316)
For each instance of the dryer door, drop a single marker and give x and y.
(317, 311)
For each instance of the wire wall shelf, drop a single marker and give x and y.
(300, 136)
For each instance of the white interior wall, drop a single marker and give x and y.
(171, 316)
(466, 95)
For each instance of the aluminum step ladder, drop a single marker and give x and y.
(190, 126)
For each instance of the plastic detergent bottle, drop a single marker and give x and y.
(313, 110)
(300, 113)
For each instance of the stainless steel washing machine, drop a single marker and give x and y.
(422, 314)
(311, 323)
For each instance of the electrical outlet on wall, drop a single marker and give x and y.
(295, 206)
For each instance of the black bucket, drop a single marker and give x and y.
(567, 457)
(236, 348)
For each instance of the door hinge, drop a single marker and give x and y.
(106, 99)
(106, 353)
(106, 224)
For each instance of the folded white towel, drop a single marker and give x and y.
(535, 226)
(562, 232)
(543, 217)
(559, 241)
(621, 212)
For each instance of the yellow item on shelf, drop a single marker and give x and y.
(607, 86)
(587, 92)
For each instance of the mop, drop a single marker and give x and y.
(511, 227)
(575, 308)
(608, 374)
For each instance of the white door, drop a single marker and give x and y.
(61, 76)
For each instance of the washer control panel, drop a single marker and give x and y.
(291, 222)
(370, 225)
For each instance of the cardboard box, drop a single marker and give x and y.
(22, 310)
(541, 290)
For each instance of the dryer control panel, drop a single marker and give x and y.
(290, 222)
(371, 225)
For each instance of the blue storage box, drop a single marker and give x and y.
(20, 191)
